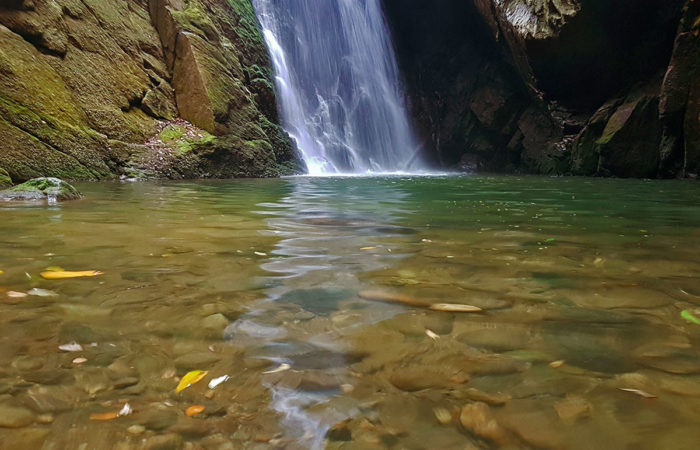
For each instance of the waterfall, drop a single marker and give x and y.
(338, 86)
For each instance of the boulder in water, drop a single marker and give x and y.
(51, 189)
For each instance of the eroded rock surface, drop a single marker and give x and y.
(83, 84)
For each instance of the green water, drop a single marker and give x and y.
(309, 278)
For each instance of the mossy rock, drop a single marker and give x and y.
(5, 180)
(182, 140)
(51, 189)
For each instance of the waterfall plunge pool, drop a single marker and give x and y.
(326, 285)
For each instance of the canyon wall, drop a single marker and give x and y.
(585, 87)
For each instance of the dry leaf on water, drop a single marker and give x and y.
(557, 364)
(194, 410)
(639, 392)
(281, 368)
(71, 347)
(451, 307)
(432, 335)
(393, 298)
(61, 275)
(125, 411)
(104, 416)
(41, 293)
(191, 378)
(217, 381)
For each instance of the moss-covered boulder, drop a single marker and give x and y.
(50, 189)
(5, 180)
(622, 138)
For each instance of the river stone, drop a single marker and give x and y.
(497, 337)
(416, 323)
(157, 419)
(28, 363)
(477, 419)
(15, 417)
(196, 360)
(125, 382)
(340, 431)
(51, 189)
(215, 324)
(534, 426)
(492, 399)
(573, 408)
(51, 399)
(93, 381)
(48, 377)
(164, 442)
(412, 380)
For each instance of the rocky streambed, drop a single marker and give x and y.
(344, 313)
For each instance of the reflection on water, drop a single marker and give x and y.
(327, 231)
(314, 295)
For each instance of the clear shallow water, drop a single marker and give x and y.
(240, 277)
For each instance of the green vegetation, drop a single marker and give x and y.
(178, 138)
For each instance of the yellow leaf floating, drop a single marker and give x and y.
(194, 410)
(1, 272)
(191, 378)
(61, 275)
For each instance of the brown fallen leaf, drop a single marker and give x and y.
(639, 392)
(104, 416)
(194, 410)
(557, 364)
(393, 298)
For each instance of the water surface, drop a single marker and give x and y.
(582, 283)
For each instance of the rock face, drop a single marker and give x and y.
(83, 84)
(471, 88)
(539, 19)
(679, 105)
(5, 180)
(622, 138)
(561, 86)
(50, 189)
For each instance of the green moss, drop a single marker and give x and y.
(174, 136)
(172, 133)
(195, 19)
(42, 188)
(5, 180)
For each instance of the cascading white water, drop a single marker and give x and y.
(338, 86)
